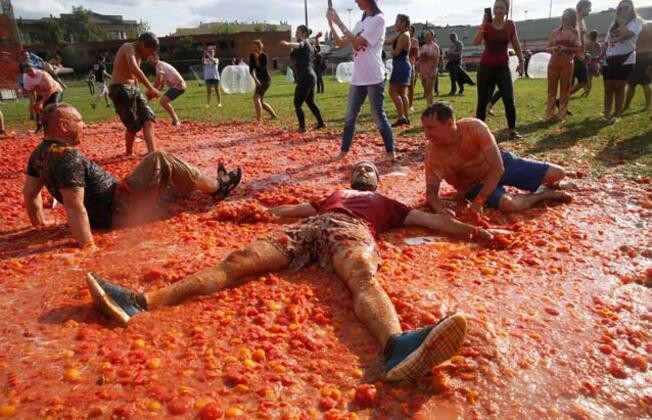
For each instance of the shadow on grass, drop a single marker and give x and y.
(567, 136)
(634, 148)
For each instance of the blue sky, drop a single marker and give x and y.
(164, 16)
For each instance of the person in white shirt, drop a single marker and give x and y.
(212, 76)
(166, 74)
(367, 39)
(620, 57)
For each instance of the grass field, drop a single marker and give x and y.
(584, 142)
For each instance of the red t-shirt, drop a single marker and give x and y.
(377, 211)
(495, 45)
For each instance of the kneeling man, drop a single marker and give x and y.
(92, 196)
(338, 233)
(465, 154)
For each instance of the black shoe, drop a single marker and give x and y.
(514, 135)
(301, 130)
(227, 181)
(320, 125)
(400, 122)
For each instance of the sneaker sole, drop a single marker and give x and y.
(443, 342)
(104, 303)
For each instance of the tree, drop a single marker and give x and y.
(78, 26)
(143, 27)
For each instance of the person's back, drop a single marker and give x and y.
(644, 42)
(122, 73)
(98, 71)
(41, 83)
(62, 166)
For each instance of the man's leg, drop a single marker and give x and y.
(130, 137)
(647, 92)
(2, 123)
(148, 133)
(408, 355)
(630, 90)
(167, 106)
(122, 304)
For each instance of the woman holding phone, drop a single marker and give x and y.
(620, 58)
(497, 33)
(368, 79)
(258, 71)
(304, 76)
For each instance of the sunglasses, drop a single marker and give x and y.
(623, 8)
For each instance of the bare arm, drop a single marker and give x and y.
(33, 201)
(137, 72)
(294, 210)
(479, 35)
(293, 45)
(403, 41)
(446, 224)
(347, 37)
(158, 83)
(519, 53)
(496, 170)
(73, 202)
(432, 196)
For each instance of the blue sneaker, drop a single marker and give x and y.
(115, 302)
(413, 353)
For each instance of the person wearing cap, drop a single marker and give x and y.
(93, 198)
(46, 89)
(130, 105)
(464, 153)
(339, 233)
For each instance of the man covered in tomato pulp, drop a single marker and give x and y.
(94, 198)
(338, 233)
(464, 153)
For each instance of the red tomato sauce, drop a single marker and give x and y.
(559, 316)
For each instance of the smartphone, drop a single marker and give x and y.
(330, 4)
(487, 14)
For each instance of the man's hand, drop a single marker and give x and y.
(483, 235)
(477, 208)
(153, 93)
(38, 106)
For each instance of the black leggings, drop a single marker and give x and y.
(320, 83)
(488, 79)
(305, 92)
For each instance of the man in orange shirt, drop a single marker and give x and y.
(465, 154)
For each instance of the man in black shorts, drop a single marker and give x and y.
(580, 69)
(94, 198)
(98, 70)
(130, 105)
(338, 233)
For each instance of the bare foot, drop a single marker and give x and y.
(557, 195)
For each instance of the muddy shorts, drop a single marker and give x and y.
(318, 238)
(157, 174)
(131, 106)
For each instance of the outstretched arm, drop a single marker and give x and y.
(73, 202)
(294, 210)
(446, 224)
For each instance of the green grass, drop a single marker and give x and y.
(584, 142)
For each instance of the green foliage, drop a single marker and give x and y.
(143, 26)
(78, 27)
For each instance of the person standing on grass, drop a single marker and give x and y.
(319, 63)
(212, 76)
(593, 57)
(37, 62)
(563, 44)
(2, 124)
(428, 64)
(167, 74)
(98, 71)
(130, 105)
(643, 68)
(258, 71)
(46, 90)
(401, 76)
(620, 58)
(580, 62)
(367, 40)
(304, 76)
(413, 56)
(497, 34)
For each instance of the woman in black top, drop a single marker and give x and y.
(304, 76)
(258, 71)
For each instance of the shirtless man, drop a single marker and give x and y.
(465, 154)
(339, 234)
(46, 89)
(91, 196)
(130, 105)
(642, 72)
(165, 73)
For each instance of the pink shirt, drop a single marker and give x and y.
(170, 75)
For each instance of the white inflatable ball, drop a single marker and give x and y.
(236, 79)
(344, 72)
(538, 66)
(289, 75)
(513, 65)
(389, 66)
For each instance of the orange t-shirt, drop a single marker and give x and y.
(462, 165)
